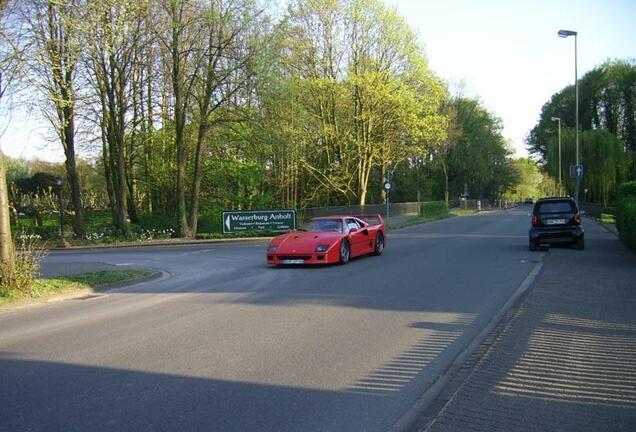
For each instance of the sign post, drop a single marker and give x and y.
(258, 220)
(387, 187)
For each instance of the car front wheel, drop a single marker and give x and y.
(345, 251)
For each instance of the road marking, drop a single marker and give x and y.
(198, 252)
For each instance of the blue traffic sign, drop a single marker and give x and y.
(576, 171)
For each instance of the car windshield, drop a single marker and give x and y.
(555, 207)
(323, 225)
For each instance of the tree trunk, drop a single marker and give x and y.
(179, 119)
(71, 172)
(445, 169)
(196, 184)
(6, 242)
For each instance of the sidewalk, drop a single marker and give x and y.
(565, 359)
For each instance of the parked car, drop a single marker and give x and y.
(328, 240)
(556, 220)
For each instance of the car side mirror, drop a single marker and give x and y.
(352, 230)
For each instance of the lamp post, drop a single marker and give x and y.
(58, 182)
(558, 119)
(564, 34)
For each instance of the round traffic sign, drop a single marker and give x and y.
(387, 185)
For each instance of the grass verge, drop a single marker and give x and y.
(77, 282)
(429, 218)
(608, 218)
(462, 212)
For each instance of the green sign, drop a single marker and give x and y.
(259, 220)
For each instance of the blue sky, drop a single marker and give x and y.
(506, 53)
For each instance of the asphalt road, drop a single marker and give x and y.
(226, 343)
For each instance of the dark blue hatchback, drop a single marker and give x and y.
(556, 220)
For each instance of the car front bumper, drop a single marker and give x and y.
(303, 259)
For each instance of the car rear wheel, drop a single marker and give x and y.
(379, 244)
(580, 244)
(532, 245)
(345, 251)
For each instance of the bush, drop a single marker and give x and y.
(16, 278)
(210, 221)
(626, 213)
(434, 209)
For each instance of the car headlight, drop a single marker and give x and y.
(272, 248)
(322, 248)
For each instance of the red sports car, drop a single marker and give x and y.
(328, 240)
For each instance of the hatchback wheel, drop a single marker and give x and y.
(580, 244)
(532, 245)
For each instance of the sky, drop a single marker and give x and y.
(506, 53)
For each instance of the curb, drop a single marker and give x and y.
(159, 243)
(411, 416)
(83, 293)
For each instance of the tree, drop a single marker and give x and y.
(11, 58)
(227, 73)
(371, 101)
(53, 33)
(529, 183)
(607, 95)
(113, 52)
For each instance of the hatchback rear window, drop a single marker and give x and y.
(556, 207)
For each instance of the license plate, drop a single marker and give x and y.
(555, 221)
(293, 261)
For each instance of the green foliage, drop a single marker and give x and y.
(604, 157)
(480, 158)
(433, 209)
(606, 102)
(626, 213)
(530, 179)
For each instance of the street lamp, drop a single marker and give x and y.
(558, 119)
(58, 182)
(564, 34)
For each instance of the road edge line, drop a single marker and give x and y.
(405, 422)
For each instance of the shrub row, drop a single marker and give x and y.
(626, 213)
(434, 209)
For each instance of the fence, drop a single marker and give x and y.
(395, 209)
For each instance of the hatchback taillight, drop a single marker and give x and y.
(577, 219)
(535, 220)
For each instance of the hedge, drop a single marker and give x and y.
(626, 213)
(434, 209)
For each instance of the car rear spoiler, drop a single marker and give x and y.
(371, 219)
